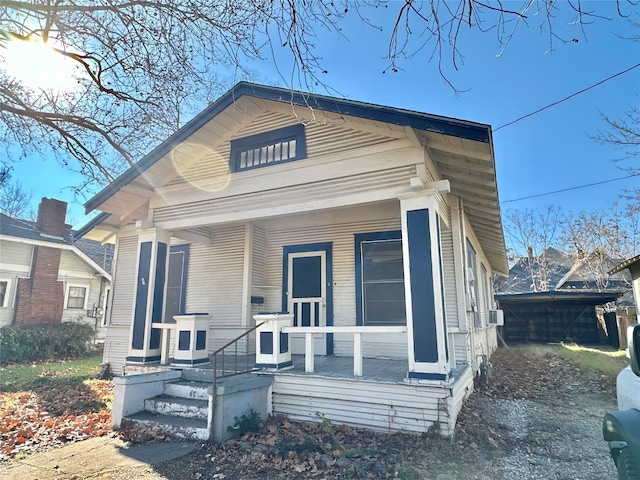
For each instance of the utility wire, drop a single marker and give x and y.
(571, 188)
(567, 98)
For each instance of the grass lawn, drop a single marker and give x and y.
(16, 378)
(595, 361)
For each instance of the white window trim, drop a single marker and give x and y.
(8, 297)
(106, 307)
(86, 295)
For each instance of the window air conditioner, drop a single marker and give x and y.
(496, 317)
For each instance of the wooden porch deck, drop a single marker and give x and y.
(382, 399)
(379, 370)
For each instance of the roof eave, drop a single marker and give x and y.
(448, 126)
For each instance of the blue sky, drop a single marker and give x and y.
(546, 152)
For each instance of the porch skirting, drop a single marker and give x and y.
(376, 405)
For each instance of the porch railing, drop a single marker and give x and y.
(356, 330)
(218, 358)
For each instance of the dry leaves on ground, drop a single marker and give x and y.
(52, 415)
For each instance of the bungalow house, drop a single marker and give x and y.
(372, 231)
(45, 278)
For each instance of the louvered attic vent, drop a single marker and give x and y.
(264, 149)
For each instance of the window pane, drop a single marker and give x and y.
(383, 283)
(382, 261)
(384, 303)
(76, 297)
(3, 292)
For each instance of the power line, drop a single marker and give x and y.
(568, 97)
(571, 188)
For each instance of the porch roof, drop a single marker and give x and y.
(461, 150)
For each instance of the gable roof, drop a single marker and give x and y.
(519, 279)
(461, 150)
(15, 227)
(97, 256)
(28, 230)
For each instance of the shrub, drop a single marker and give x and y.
(247, 423)
(55, 342)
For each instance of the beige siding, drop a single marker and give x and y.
(341, 235)
(95, 295)
(116, 348)
(449, 272)
(14, 254)
(258, 270)
(382, 407)
(298, 195)
(15, 262)
(124, 283)
(321, 138)
(214, 282)
(462, 389)
(70, 262)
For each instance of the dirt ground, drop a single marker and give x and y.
(539, 417)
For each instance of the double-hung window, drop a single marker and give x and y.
(76, 297)
(380, 279)
(4, 293)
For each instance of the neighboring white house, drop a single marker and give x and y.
(44, 278)
(343, 213)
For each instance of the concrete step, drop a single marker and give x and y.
(186, 389)
(177, 407)
(204, 375)
(189, 428)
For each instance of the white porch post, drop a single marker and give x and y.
(424, 290)
(149, 295)
(273, 350)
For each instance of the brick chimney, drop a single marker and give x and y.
(51, 215)
(40, 298)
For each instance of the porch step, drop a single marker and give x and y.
(190, 428)
(177, 407)
(203, 375)
(188, 389)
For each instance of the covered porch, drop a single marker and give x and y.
(314, 267)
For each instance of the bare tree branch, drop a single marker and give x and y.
(142, 68)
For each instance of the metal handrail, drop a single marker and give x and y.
(222, 349)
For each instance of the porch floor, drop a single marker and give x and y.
(380, 370)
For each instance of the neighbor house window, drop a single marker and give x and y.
(76, 297)
(4, 293)
(277, 146)
(380, 279)
(105, 307)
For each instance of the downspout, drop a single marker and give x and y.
(96, 309)
(470, 325)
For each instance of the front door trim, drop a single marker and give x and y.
(326, 247)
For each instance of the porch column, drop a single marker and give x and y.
(424, 287)
(149, 295)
